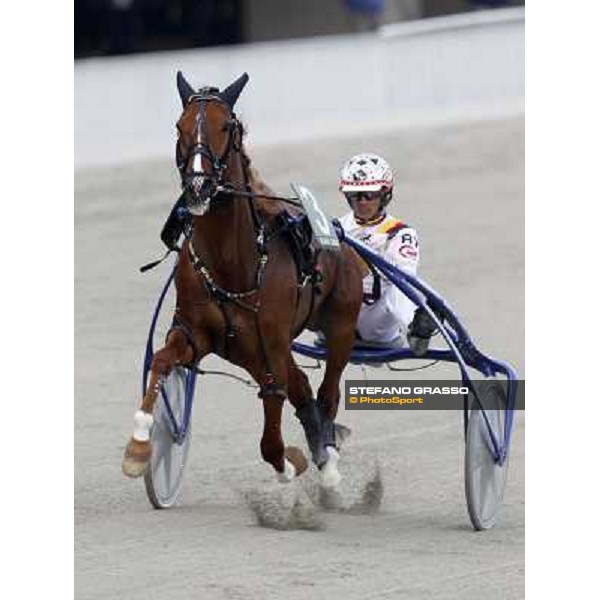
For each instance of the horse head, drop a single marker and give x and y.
(208, 134)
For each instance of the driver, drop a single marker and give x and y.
(367, 183)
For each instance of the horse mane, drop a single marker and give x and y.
(257, 184)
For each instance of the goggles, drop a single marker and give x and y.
(355, 196)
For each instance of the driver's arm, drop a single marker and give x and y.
(403, 251)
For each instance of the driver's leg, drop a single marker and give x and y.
(381, 323)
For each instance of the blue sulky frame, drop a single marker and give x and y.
(461, 348)
(178, 429)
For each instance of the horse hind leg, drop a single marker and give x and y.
(323, 435)
(340, 334)
(332, 435)
(302, 399)
(138, 451)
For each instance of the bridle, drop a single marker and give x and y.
(198, 184)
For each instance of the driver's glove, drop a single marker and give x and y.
(420, 331)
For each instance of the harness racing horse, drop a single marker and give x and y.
(239, 295)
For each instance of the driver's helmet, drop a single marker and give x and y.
(367, 173)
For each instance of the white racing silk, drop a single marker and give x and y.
(387, 319)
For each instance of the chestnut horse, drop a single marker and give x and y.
(239, 295)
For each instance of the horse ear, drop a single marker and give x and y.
(231, 93)
(184, 88)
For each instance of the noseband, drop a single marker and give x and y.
(198, 184)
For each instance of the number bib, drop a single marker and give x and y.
(322, 228)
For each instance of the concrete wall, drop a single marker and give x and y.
(126, 108)
(277, 19)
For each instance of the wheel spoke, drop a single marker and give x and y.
(485, 480)
(164, 479)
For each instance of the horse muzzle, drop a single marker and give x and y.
(199, 191)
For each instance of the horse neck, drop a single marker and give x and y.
(225, 239)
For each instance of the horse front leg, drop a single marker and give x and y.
(288, 461)
(138, 451)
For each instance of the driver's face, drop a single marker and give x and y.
(366, 204)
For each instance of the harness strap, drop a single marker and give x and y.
(315, 278)
(269, 386)
(221, 293)
(370, 299)
(179, 325)
(155, 263)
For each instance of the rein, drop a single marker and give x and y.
(229, 190)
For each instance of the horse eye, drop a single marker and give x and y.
(227, 126)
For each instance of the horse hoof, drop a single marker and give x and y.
(330, 476)
(137, 458)
(288, 473)
(297, 458)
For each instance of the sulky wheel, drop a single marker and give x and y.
(485, 479)
(164, 476)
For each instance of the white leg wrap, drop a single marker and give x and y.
(143, 423)
(330, 476)
(289, 472)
